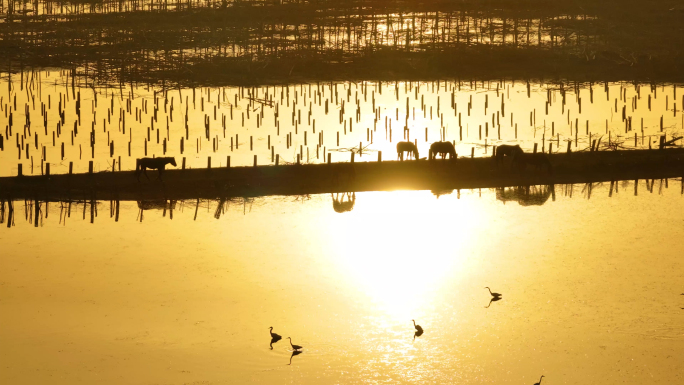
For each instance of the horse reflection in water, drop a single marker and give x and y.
(439, 192)
(526, 195)
(159, 204)
(343, 202)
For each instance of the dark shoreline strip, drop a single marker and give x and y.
(464, 173)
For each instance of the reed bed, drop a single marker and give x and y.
(215, 43)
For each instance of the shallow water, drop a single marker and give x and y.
(314, 121)
(589, 287)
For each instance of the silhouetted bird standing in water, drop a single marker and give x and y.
(419, 330)
(495, 295)
(295, 347)
(540, 378)
(274, 337)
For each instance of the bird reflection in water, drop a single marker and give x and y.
(343, 202)
(295, 353)
(540, 379)
(274, 337)
(526, 195)
(494, 299)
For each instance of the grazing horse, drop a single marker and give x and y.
(409, 147)
(506, 150)
(539, 160)
(143, 164)
(442, 148)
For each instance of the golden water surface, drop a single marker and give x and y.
(591, 291)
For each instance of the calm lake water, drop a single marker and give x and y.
(591, 290)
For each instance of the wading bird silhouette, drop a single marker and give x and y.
(295, 347)
(540, 378)
(495, 295)
(494, 299)
(274, 337)
(419, 330)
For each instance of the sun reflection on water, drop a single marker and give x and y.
(399, 256)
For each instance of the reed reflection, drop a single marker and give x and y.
(36, 212)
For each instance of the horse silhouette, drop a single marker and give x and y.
(409, 147)
(340, 205)
(143, 164)
(506, 150)
(443, 149)
(538, 160)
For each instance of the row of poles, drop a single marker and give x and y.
(225, 113)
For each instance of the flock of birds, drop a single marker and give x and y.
(297, 349)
